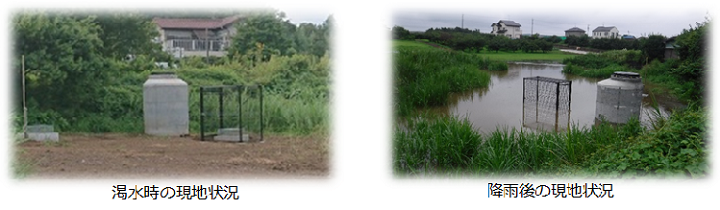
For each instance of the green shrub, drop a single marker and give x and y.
(426, 77)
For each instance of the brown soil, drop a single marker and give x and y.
(142, 156)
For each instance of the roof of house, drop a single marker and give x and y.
(175, 23)
(670, 42)
(575, 29)
(603, 28)
(507, 23)
(628, 36)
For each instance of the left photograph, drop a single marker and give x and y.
(170, 94)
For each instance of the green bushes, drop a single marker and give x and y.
(604, 64)
(296, 100)
(426, 77)
(677, 147)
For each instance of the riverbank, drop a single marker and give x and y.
(453, 144)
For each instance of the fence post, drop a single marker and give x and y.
(202, 115)
(220, 99)
(240, 115)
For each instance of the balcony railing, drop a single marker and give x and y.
(197, 44)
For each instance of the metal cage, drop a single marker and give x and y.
(546, 103)
(231, 113)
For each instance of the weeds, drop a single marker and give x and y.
(425, 77)
(432, 144)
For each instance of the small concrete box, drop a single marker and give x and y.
(41, 133)
(165, 105)
(231, 134)
(619, 98)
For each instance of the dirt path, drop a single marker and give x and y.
(142, 156)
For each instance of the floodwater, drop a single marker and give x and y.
(501, 104)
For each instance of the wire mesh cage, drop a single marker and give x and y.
(546, 103)
(231, 113)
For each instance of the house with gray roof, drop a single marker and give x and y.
(196, 37)
(574, 31)
(508, 28)
(606, 32)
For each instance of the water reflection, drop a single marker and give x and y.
(501, 103)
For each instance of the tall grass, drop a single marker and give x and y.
(604, 64)
(432, 144)
(426, 77)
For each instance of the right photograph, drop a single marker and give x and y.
(567, 93)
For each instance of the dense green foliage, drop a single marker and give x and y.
(437, 145)
(674, 147)
(78, 80)
(279, 36)
(472, 41)
(603, 43)
(426, 77)
(398, 32)
(604, 64)
(654, 47)
(579, 41)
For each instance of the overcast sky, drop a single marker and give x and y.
(305, 15)
(666, 21)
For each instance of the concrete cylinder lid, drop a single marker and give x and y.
(626, 76)
(162, 74)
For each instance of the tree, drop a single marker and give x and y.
(495, 45)
(129, 33)
(63, 61)
(544, 46)
(400, 33)
(692, 48)
(653, 47)
(581, 41)
(268, 29)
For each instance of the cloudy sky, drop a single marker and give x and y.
(668, 21)
(306, 15)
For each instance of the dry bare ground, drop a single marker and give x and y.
(142, 156)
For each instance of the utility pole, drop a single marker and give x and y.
(207, 48)
(462, 24)
(24, 104)
(532, 24)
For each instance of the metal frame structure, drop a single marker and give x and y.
(546, 100)
(223, 92)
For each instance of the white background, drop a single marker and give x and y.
(360, 172)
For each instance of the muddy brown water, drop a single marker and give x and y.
(501, 104)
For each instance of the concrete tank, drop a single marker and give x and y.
(165, 105)
(619, 98)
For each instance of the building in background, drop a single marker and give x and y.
(507, 28)
(574, 31)
(196, 37)
(606, 32)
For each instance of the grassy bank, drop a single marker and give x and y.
(426, 77)
(604, 64)
(504, 56)
(441, 145)
(554, 55)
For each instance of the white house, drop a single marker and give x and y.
(188, 37)
(507, 28)
(606, 32)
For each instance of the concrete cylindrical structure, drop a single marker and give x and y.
(619, 98)
(165, 105)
